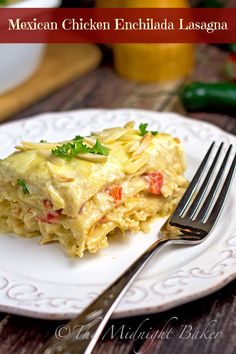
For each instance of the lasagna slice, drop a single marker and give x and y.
(79, 192)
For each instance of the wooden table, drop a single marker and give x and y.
(103, 88)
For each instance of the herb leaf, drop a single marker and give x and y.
(78, 137)
(144, 131)
(143, 128)
(21, 183)
(155, 132)
(76, 146)
(43, 141)
(99, 149)
(69, 150)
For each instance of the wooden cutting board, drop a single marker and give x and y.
(61, 64)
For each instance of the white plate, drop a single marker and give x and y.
(40, 281)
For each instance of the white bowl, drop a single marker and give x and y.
(19, 61)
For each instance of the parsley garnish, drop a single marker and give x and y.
(144, 131)
(21, 183)
(43, 141)
(76, 146)
(78, 137)
(99, 149)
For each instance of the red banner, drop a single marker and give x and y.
(148, 25)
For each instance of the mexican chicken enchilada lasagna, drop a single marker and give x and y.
(79, 192)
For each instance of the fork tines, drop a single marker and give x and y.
(205, 204)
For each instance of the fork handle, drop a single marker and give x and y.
(82, 333)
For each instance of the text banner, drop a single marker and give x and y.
(147, 25)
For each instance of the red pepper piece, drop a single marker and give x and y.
(155, 180)
(52, 215)
(115, 191)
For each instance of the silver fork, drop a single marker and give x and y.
(190, 224)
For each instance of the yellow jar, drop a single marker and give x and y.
(152, 62)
